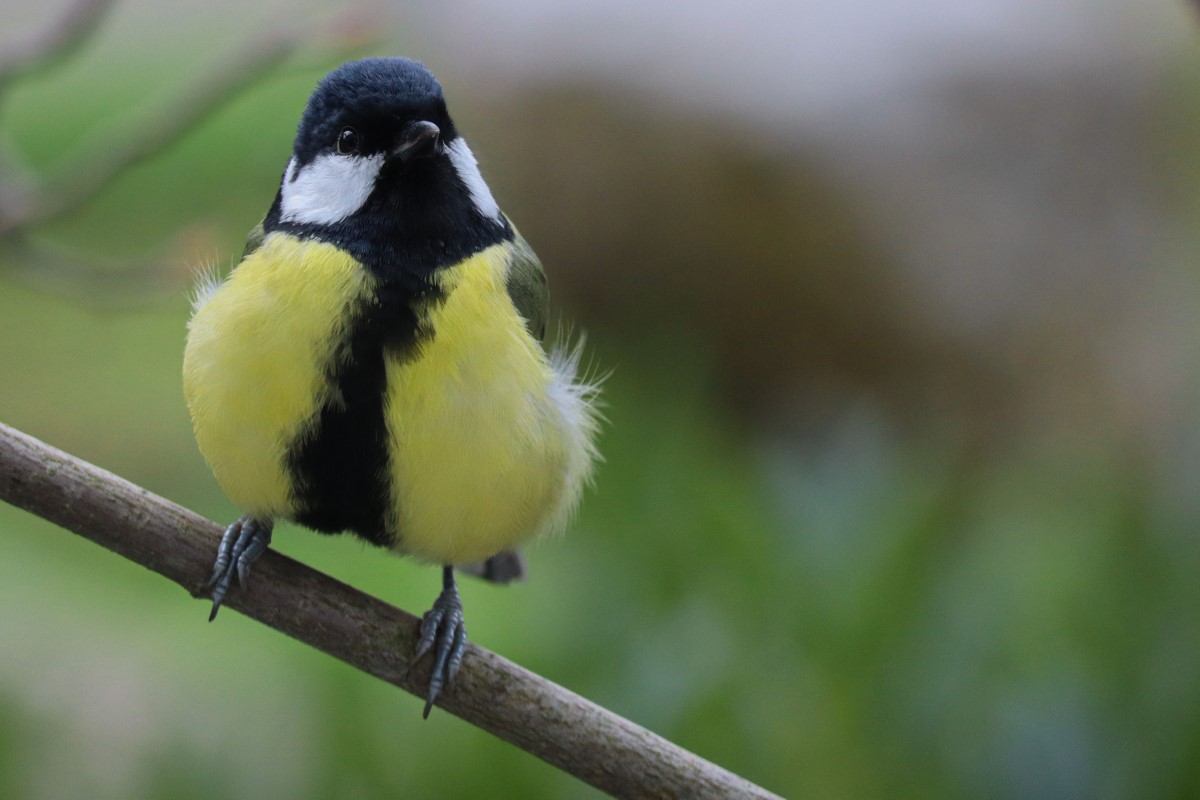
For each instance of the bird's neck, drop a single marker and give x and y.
(403, 236)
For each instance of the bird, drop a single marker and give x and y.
(376, 362)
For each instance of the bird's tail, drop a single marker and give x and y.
(505, 567)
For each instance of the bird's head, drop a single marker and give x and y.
(376, 138)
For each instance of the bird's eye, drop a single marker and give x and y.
(347, 142)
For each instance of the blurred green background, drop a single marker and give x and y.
(899, 493)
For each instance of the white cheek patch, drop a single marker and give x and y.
(329, 188)
(468, 171)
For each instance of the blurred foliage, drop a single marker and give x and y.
(850, 607)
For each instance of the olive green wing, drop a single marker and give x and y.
(254, 240)
(528, 288)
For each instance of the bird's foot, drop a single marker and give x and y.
(443, 624)
(244, 541)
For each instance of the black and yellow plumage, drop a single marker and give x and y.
(375, 362)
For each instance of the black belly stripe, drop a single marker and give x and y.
(339, 466)
(418, 220)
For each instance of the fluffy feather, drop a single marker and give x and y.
(576, 395)
(208, 280)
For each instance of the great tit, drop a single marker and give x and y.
(375, 362)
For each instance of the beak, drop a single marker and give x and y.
(419, 140)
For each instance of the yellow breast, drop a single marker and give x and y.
(478, 448)
(256, 359)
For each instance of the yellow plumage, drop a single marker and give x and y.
(257, 356)
(478, 447)
(483, 433)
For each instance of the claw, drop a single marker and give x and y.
(257, 546)
(456, 654)
(429, 628)
(227, 540)
(244, 541)
(443, 624)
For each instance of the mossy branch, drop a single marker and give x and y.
(556, 725)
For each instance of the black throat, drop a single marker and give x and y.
(419, 218)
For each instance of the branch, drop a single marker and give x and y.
(107, 156)
(558, 726)
(88, 282)
(103, 160)
(54, 44)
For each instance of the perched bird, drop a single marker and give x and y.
(375, 362)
